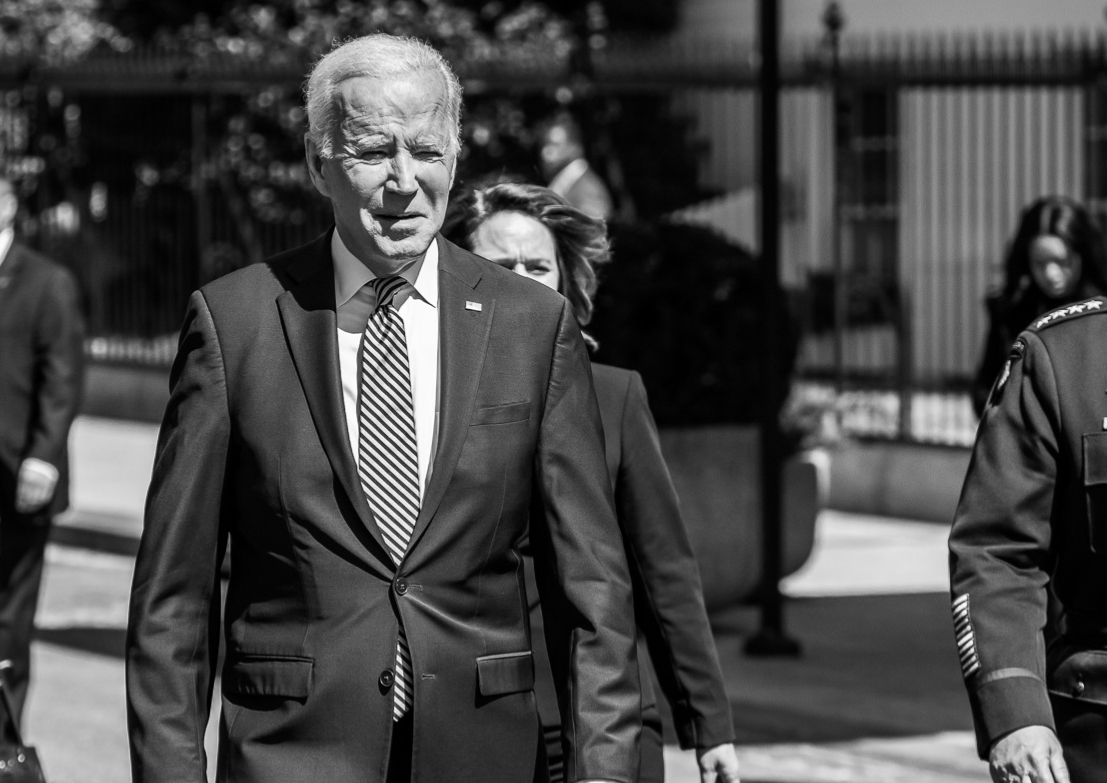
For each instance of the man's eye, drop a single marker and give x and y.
(429, 155)
(538, 269)
(372, 155)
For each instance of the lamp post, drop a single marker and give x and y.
(834, 21)
(771, 638)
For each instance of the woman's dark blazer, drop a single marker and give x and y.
(668, 599)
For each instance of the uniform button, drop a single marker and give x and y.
(386, 679)
(401, 585)
(1078, 688)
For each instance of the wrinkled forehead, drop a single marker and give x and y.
(411, 98)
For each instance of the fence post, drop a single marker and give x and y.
(905, 369)
(201, 202)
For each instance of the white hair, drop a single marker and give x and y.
(377, 56)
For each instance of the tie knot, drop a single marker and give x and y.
(386, 288)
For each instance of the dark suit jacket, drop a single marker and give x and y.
(254, 448)
(668, 598)
(41, 353)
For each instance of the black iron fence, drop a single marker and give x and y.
(906, 163)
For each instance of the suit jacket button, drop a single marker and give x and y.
(386, 679)
(401, 585)
(1078, 688)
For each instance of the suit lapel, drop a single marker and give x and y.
(308, 313)
(464, 322)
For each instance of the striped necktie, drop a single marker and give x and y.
(387, 457)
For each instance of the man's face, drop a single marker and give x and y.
(391, 167)
(557, 151)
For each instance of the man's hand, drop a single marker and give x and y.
(35, 485)
(718, 764)
(1031, 754)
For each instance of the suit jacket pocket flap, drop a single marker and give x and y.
(1095, 458)
(1081, 675)
(289, 677)
(505, 673)
(502, 414)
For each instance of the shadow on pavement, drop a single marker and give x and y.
(871, 666)
(100, 641)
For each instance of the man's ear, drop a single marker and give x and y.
(315, 166)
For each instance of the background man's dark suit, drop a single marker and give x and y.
(41, 344)
(668, 599)
(254, 447)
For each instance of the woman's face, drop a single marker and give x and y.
(1055, 267)
(520, 243)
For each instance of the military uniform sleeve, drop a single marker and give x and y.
(173, 631)
(668, 596)
(582, 573)
(1000, 548)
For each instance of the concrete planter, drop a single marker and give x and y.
(717, 476)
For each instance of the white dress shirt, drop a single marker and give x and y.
(564, 180)
(7, 236)
(418, 307)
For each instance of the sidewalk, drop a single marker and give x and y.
(876, 696)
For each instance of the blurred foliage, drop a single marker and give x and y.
(255, 147)
(54, 32)
(685, 307)
(680, 304)
(255, 153)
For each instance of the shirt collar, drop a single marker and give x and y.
(350, 275)
(7, 237)
(568, 176)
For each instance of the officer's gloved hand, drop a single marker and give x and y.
(1031, 754)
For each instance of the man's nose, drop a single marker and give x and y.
(401, 179)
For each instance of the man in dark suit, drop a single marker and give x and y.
(41, 345)
(368, 419)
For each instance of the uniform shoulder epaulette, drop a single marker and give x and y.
(1068, 312)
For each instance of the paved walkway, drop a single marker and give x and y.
(875, 698)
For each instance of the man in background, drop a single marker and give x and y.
(41, 344)
(568, 173)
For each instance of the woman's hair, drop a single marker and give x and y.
(581, 240)
(1067, 220)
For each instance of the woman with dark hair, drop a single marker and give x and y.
(536, 233)
(1056, 258)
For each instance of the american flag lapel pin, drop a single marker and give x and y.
(474, 306)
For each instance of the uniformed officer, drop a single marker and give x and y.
(1028, 556)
